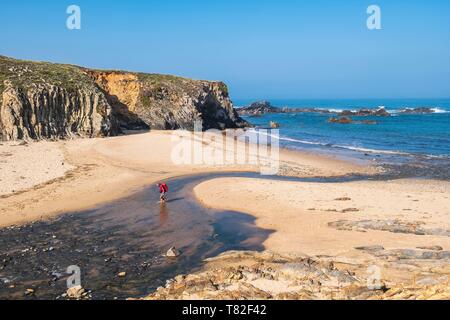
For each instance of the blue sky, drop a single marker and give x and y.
(261, 49)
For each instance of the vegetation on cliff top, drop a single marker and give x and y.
(22, 73)
(25, 73)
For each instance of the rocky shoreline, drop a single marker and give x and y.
(265, 107)
(267, 275)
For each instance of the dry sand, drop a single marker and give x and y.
(24, 165)
(299, 212)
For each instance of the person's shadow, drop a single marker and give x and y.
(173, 200)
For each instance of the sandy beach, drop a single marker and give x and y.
(43, 179)
(400, 225)
(301, 212)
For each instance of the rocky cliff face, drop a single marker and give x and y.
(167, 102)
(46, 101)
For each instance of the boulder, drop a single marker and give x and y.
(420, 110)
(341, 120)
(274, 125)
(380, 112)
(172, 253)
(75, 292)
(258, 108)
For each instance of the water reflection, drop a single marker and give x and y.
(163, 214)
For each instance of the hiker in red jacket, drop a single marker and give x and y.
(163, 189)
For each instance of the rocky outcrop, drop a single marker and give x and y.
(420, 110)
(50, 101)
(258, 108)
(348, 120)
(380, 112)
(269, 276)
(274, 125)
(42, 100)
(395, 226)
(47, 111)
(341, 120)
(264, 107)
(167, 102)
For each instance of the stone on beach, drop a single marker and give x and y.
(343, 199)
(76, 292)
(172, 252)
(431, 248)
(370, 248)
(29, 292)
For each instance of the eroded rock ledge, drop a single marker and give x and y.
(252, 275)
(48, 101)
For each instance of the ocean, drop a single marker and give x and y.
(419, 140)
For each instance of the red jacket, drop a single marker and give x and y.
(163, 188)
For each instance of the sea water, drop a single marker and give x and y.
(407, 138)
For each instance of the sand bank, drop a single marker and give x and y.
(402, 226)
(301, 212)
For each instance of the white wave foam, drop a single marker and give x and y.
(439, 110)
(324, 144)
(373, 150)
(352, 148)
(434, 110)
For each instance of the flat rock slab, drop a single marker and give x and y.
(395, 226)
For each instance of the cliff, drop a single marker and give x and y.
(49, 101)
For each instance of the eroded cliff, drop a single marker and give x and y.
(49, 101)
(167, 102)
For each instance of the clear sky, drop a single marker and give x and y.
(261, 49)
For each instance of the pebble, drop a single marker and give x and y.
(172, 252)
(370, 248)
(343, 199)
(76, 292)
(29, 292)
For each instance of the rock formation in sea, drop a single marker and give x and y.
(419, 110)
(265, 107)
(341, 120)
(380, 112)
(41, 100)
(348, 120)
(258, 108)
